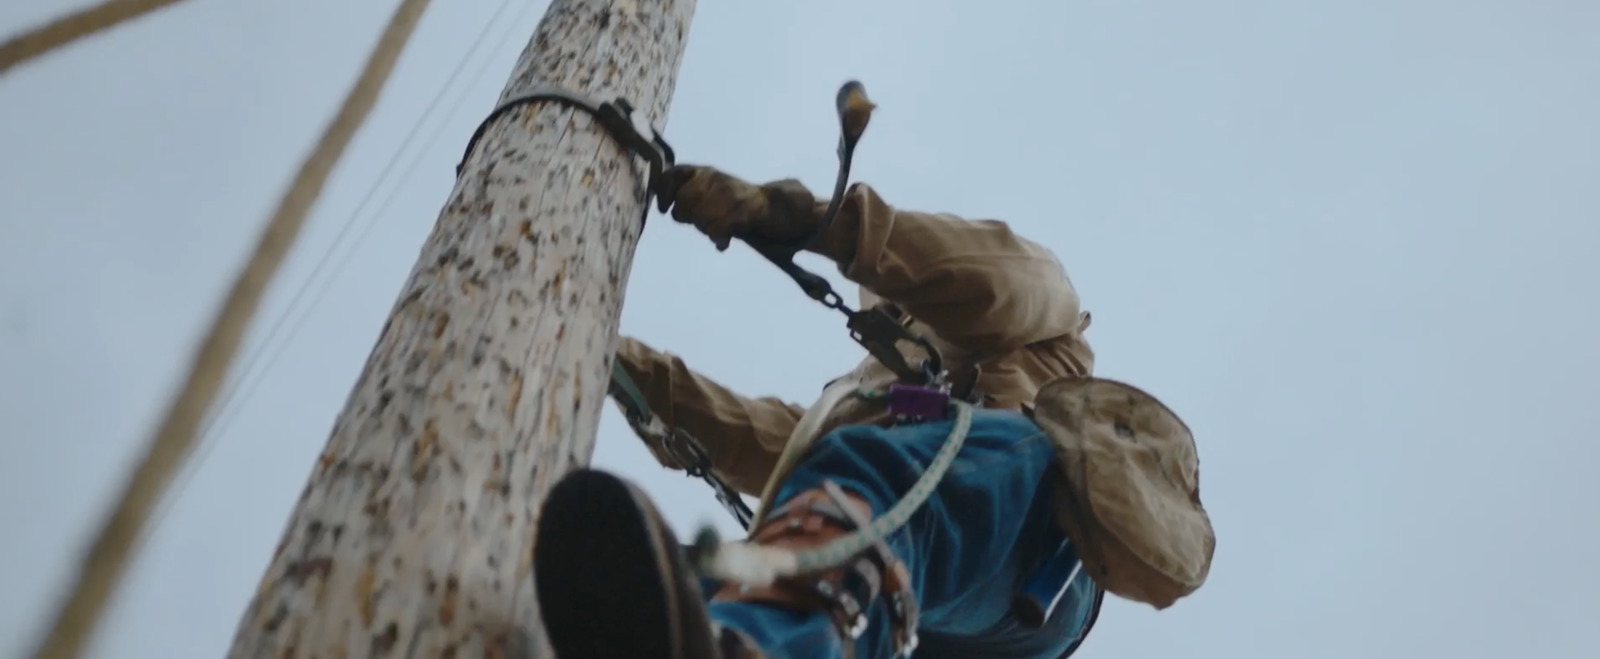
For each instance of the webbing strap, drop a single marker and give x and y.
(630, 397)
(630, 127)
(690, 455)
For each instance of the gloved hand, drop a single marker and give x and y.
(724, 207)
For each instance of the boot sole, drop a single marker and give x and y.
(604, 580)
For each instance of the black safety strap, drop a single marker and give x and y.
(629, 126)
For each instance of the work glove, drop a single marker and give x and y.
(724, 207)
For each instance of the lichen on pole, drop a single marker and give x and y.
(414, 535)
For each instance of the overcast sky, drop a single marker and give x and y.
(1353, 244)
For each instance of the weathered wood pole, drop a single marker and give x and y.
(414, 536)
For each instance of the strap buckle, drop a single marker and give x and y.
(696, 462)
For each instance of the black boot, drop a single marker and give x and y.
(612, 579)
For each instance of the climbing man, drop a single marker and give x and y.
(1052, 457)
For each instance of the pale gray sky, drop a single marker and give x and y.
(1353, 244)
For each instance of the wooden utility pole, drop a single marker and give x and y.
(414, 536)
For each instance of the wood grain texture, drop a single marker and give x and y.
(414, 536)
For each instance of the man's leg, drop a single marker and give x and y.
(968, 549)
(612, 582)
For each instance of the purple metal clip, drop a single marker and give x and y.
(918, 402)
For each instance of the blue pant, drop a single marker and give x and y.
(970, 548)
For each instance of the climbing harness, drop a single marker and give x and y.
(923, 393)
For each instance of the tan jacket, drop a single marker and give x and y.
(976, 289)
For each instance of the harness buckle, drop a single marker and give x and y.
(914, 404)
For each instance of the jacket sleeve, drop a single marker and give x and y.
(743, 435)
(974, 282)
